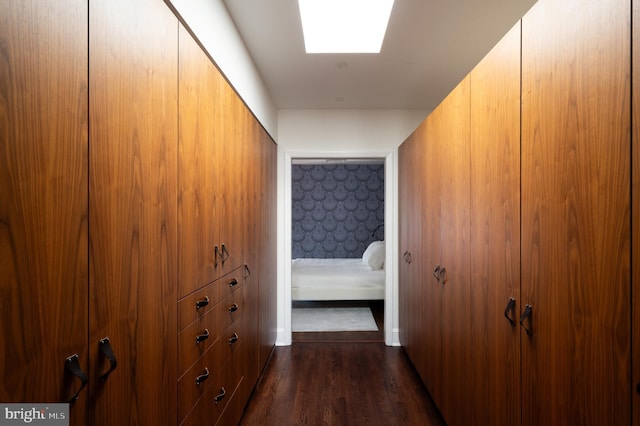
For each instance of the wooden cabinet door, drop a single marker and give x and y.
(133, 205)
(268, 249)
(495, 234)
(635, 209)
(430, 307)
(232, 122)
(43, 200)
(410, 162)
(575, 212)
(198, 212)
(454, 164)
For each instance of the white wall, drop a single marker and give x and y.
(212, 25)
(341, 133)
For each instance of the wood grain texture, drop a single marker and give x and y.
(429, 324)
(340, 384)
(454, 156)
(410, 178)
(635, 209)
(133, 204)
(43, 199)
(495, 234)
(199, 152)
(575, 212)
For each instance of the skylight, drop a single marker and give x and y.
(344, 26)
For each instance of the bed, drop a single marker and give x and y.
(340, 279)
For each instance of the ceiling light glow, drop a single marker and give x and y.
(344, 26)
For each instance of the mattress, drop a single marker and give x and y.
(335, 279)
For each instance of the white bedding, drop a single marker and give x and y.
(335, 279)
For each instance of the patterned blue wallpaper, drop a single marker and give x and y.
(335, 208)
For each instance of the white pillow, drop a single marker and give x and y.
(374, 255)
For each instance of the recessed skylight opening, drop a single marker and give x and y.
(344, 26)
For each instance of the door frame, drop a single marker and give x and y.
(284, 337)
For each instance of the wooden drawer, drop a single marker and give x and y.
(188, 308)
(230, 341)
(197, 304)
(232, 308)
(212, 361)
(218, 395)
(193, 384)
(189, 348)
(231, 283)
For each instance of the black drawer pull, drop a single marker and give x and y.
(107, 351)
(525, 315)
(201, 378)
(247, 272)
(233, 308)
(202, 337)
(436, 273)
(510, 307)
(233, 339)
(233, 282)
(219, 397)
(442, 275)
(202, 302)
(225, 254)
(73, 365)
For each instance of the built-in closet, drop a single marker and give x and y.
(137, 219)
(531, 321)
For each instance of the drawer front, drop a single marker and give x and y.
(232, 308)
(199, 336)
(217, 396)
(197, 304)
(194, 383)
(231, 283)
(230, 341)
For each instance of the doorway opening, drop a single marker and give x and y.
(338, 249)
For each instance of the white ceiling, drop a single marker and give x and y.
(429, 47)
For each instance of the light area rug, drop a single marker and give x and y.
(332, 319)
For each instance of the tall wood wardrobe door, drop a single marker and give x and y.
(453, 283)
(198, 213)
(429, 329)
(410, 167)
(232, 121)
(635, 209)
(575, 212)
(133, 206)
(43, 200)
(495, 235)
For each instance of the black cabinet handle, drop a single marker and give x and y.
(442, 275)
(202, 302)
(73, 365)
(233, 308)
(233, 282)
(247, 271)
(202, 337)
(407, 256)
(219, 397)
(510, 307)
(233, 339)
(201, 378)
(107, 351)
(436, 273)
(216, 255)
(527, 314)
(225, 254)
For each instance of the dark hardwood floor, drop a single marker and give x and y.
(348, 378)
